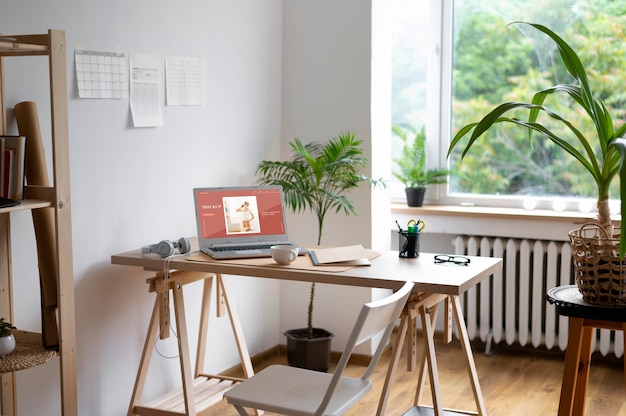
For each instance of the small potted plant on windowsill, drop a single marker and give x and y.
(316, 178)
(7, 340)
(411, 165)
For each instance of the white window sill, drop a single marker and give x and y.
(492, 221)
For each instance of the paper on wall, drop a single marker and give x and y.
(184, 81)
(101, 74)
(145, 90)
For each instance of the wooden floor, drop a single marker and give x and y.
(514, 381)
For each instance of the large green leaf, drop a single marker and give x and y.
(602, 155)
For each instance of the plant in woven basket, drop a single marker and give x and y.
(602, 154)
(598, 253)
(5, 328)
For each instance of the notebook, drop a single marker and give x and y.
(240, 222)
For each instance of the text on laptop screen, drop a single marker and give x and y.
(226, 213)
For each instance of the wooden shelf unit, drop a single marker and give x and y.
(51, 45)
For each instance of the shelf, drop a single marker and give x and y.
(25, 356)
(26, 45)
(27, 204)
(206, 392)
(52, 225)
(28, 353)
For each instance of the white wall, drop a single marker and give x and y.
(327, 89)
(132, 186)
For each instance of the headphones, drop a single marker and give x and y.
(167, 248)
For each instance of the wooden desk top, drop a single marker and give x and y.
(386, 271)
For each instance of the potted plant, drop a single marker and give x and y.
(601, 155)
(316, 178)
(7, 340)
(411, 165)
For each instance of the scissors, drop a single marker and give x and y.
(415, 226)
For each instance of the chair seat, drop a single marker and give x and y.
(300, 392)
(296, 391)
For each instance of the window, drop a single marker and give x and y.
(411, 33)
(484, 61)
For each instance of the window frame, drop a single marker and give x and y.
(438, 128)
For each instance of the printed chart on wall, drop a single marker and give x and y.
(101, 74)
(184, 80)
(145, 90)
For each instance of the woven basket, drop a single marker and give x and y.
(600, 275)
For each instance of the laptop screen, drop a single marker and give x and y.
(228, 215)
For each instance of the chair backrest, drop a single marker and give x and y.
(374, 318)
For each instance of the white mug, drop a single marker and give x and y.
(284, 254)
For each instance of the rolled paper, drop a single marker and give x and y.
(36, 173)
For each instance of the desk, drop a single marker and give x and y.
(434, 283)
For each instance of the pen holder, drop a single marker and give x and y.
(409, 244)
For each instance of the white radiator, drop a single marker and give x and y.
(511, 306)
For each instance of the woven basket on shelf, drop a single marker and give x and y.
(600, 275)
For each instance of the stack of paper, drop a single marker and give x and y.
(349, 255)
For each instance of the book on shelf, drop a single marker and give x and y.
(12, 166)
(3, 176)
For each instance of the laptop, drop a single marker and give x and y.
(240, 222)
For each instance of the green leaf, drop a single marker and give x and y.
(603, 165)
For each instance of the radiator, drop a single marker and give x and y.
(511, 307)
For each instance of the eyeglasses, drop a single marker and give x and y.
(445, 258)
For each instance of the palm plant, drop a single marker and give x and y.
(411, 164)
(602, 155)
(317, 178)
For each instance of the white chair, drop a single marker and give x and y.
(296, 391)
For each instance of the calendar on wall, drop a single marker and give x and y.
(101, 74)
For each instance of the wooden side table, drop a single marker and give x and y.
(584, 319)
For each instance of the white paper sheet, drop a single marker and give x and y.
(101, 74)
(184, 80)
(145, 90)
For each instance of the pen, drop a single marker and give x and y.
(399, 228)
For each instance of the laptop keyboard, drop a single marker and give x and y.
(239, 248)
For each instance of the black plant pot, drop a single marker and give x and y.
(415, 196)
(310, 353)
